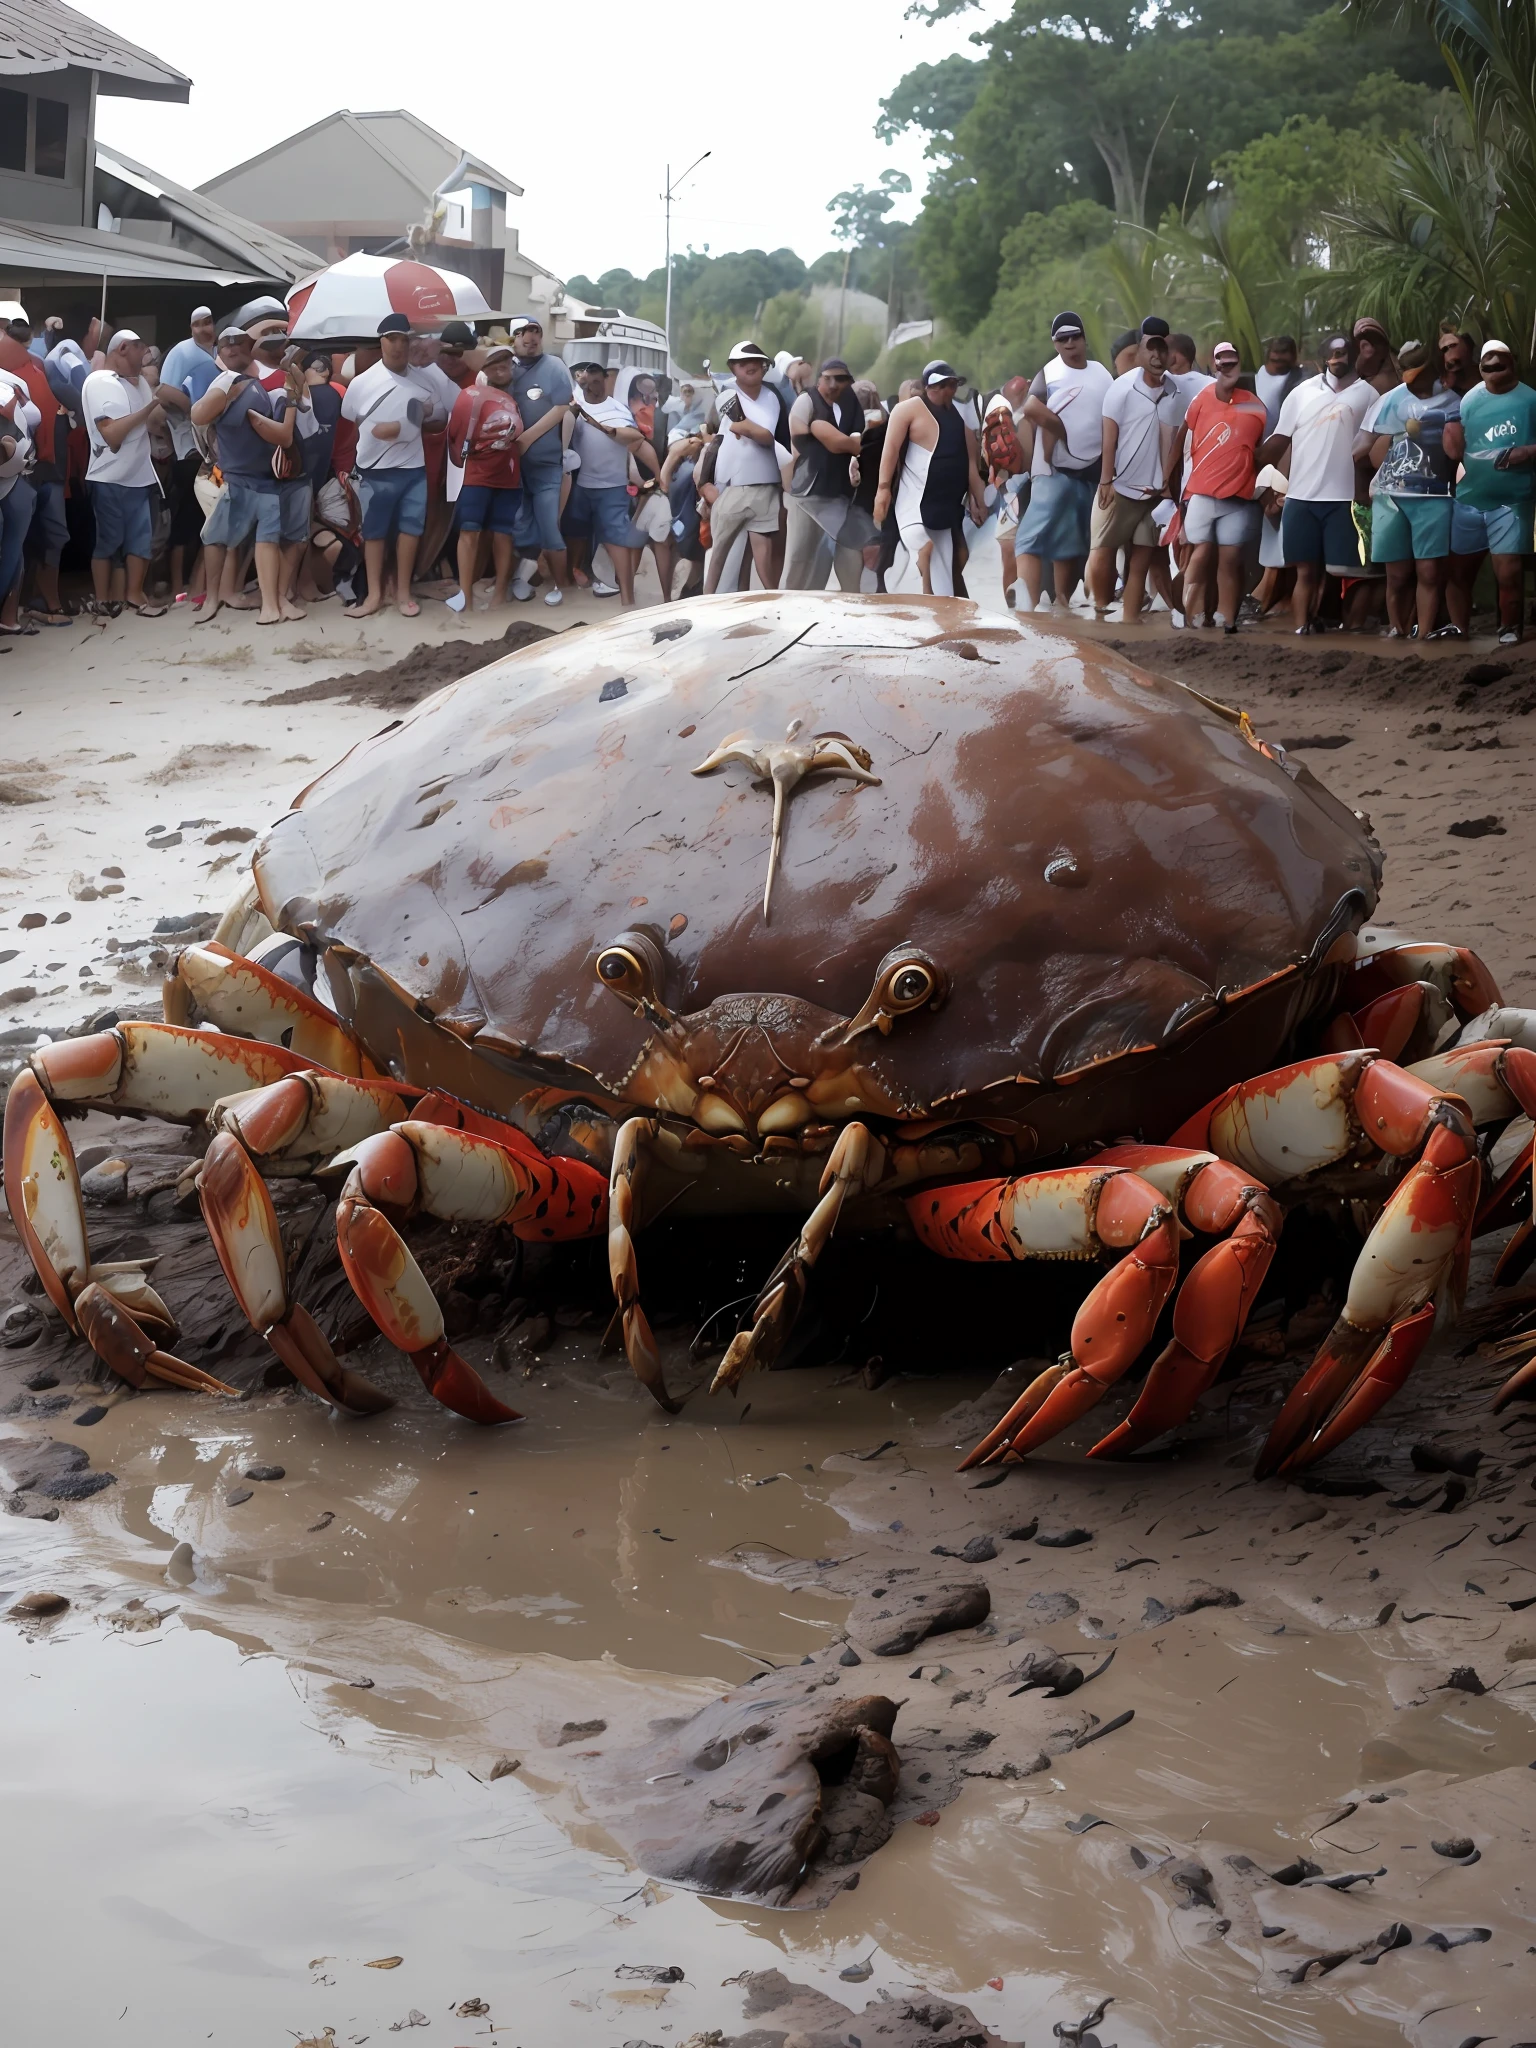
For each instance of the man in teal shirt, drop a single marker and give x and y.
(1495, 439)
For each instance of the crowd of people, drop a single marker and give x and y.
(243, 469)
(1364, 491)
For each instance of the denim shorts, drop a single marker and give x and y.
(50, 528)
(1500, 529)
(605, 515)
(393, 501)
(538, 519)
(1409, 529)
(124, 522)
(1058, 519)
(485, 508)
(1230, 522)
(1321, 530)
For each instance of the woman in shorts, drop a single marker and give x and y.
(1411, 499)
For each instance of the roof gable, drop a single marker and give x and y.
(39, 36)
(360, 144)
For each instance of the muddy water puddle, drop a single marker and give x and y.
(345, 1741)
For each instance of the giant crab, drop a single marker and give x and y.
(1035, 956)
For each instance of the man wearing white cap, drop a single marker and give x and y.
(185, 375)
(747, 493)
(542, 391)
(1065, 406)
(118, 407)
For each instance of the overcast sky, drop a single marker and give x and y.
(617, 92)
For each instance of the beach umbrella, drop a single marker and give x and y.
(347, 300)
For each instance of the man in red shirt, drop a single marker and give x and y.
(482, 441)
(1223, 426)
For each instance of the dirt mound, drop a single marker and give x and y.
(1211, 661)
(429, 666)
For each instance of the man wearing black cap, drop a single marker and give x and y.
(390, 406)
(826, 425)
(928, 468)
(1142, 412)
(1066, 408)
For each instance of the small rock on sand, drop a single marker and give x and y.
(38, 1606)
(896, 1624)
(181, 1565)
(264, 1472)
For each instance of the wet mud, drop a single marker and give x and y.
(427, 667)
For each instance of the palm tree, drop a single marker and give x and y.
(1453, 234)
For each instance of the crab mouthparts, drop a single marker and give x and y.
(766, 1066)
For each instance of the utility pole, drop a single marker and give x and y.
(673, 186)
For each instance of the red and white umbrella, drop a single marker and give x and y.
(347, 300)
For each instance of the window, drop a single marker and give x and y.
(13, 130)
(50, 141)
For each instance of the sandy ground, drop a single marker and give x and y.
(344, 1699)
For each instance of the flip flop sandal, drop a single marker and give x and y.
(19, 632)
(149, 611)
(52, 619)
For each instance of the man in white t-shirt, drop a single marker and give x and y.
(119, 408)
(1321, 428)
(391, 405)
(1142, 412)
(1065, 407)
(747, 492)
(599, 504)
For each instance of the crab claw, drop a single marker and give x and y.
(243, 1225)
(118, 1341)
(390, 1284)
(1418, 1244)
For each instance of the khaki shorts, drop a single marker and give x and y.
(745, 508)
(1127, 524)
(652, 516)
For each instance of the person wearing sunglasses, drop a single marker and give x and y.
(826, 430)
(1495, 441)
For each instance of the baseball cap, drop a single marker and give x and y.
(13, 310)
(835, 363)
(501, 349)
(1154, 328)
(458, 334)
(525, 320)
(394, 323)
(1065, 325)
(232, 333)
(1494, 348)
(200, 313)
(1367, 324)
(123, 334)
(266, 308)
(748, 352)
(940, 372)
(1413, 355)
(1225, 348)
(279, 335)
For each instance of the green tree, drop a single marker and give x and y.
(1127, 104)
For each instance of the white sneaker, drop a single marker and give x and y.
(522, 580)
(520, 593)
(1044, 604)
(554, 595)
(604, 589)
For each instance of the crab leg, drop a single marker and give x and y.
(1213, 1303)
(632, 1152)
(1453, 971)
(857, 1163)
(461, 1177)
(1076, 1212)
(243, 1225)
(239, 997)
(1419, 1245)
(145, 1069)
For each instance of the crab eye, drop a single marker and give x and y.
(911, 986)
(632, 966)
(618, 969)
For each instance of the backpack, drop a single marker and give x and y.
(1000, 445)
